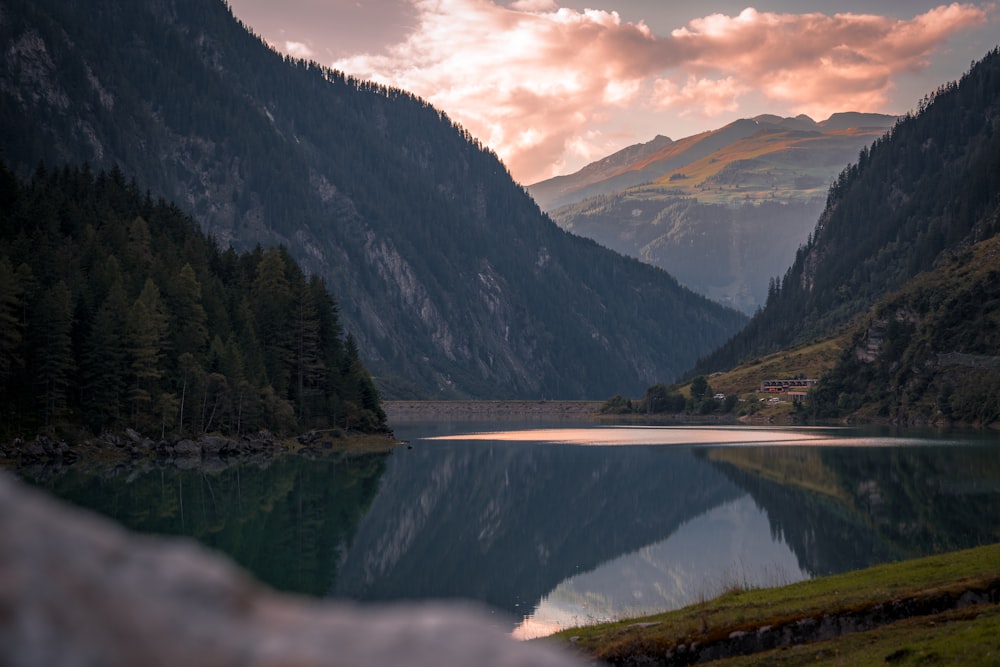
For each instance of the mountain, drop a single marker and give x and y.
(725, 252)
(723, 211)
(923, 197)
(742, 160)
(451, 280)
(929, 353)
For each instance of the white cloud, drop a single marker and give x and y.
(298, 50)
(539, 83)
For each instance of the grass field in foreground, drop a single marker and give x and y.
(967, 636)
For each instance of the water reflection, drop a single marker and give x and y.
(286, 520)
(506, 522)
(651, 435)
(727, 547)
(567, 525)
(587, 530)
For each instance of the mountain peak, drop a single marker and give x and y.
(853, 119)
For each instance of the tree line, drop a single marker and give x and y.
(117, 312)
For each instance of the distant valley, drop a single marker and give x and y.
(724, 211)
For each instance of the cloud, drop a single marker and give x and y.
(817, 63)
(710, 97)
(298, 50)
(541, 84)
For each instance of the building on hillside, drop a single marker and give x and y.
(798, 386)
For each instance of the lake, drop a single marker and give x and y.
(561, 525)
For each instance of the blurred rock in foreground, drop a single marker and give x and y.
(76, 589)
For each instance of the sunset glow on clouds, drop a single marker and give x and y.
(550, 88)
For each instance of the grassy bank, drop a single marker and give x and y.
(937, 610)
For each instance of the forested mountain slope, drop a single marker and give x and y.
(927, 190)
(118, 312)
(929, 353)
(450, 278)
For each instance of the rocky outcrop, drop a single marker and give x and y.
(76, 589)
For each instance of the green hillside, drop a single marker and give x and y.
(929, 353)
(791, 159)
(771, 164)
(918, 197)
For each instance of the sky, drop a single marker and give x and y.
(552, 86)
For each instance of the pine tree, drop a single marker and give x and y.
(106, 359)
(190, 331)
(146, 330)
(52, 323)
(364, 410)
(272, 298)
(307, 363)
(192, 383)
(11, 338)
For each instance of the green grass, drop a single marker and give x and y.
(963, 637)
(784, 165)
(811, 360)
(968, 636)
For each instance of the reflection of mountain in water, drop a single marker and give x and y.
(729, 545)
(505, 523)
(846, 508)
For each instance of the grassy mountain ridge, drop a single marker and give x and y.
(452, 281)
(800, 145)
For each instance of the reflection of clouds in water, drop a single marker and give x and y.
(732, 436)
(656, 435)
(726, 547)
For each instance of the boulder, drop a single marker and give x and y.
(212, 445)
(186, 449)
(76, 589)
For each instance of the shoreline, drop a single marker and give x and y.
(209, 450)
(406, 411)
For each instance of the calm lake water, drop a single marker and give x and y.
(562, 525)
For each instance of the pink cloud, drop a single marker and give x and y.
(709, 97)
(541, 84)
(816, 62)
(298, 50)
